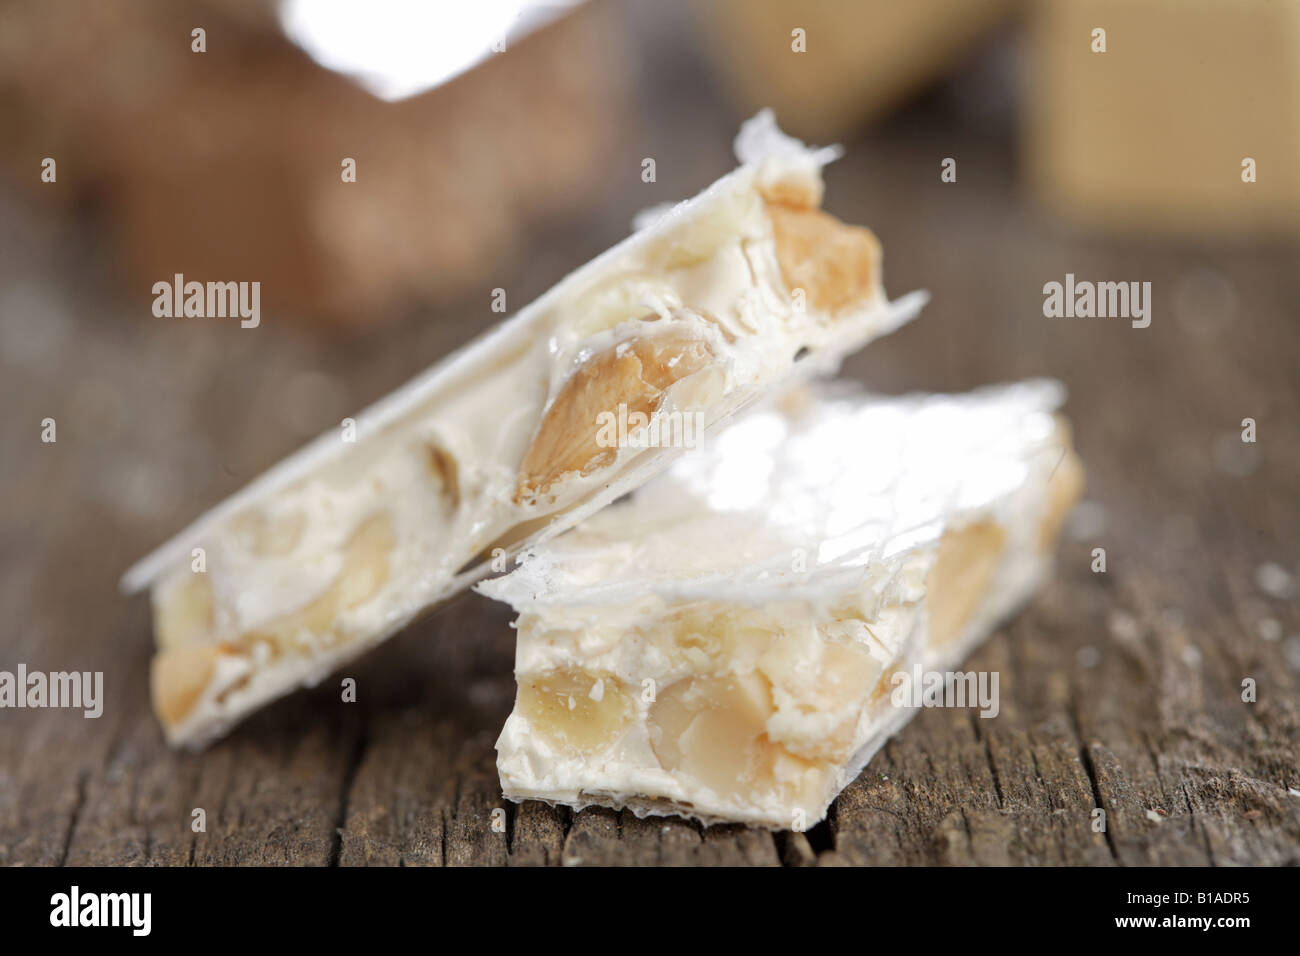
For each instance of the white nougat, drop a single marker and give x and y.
(736, 640)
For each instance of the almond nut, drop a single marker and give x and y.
(447, 471)
(797, 192)
(960, 578)
(837, 265)
(183, 614)
(178, 676)
(576, 709)
(365, 571)
(1064, 488)
(633, 374)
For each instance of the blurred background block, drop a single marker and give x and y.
(226, 164)
(1150, 135)
(861, 58)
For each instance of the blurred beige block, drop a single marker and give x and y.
(1150, 136)
(860, 58)
(226, 165)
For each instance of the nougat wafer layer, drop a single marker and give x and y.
(726, 645)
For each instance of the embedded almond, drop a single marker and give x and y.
(365, 571)
(960, 578)
(272, 537)
(714, 729)
(178, 677)
(1064, 489)
(183, 614)
(837, 265)
(447, 471)
(634, 375)
(797, 192)
(576, 709)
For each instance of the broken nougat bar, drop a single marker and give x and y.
(691, 318)
(723, 645)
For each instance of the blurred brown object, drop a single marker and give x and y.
(1151, 135)
(225, 165)
(861, 56)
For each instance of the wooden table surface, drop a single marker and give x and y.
(1120, 690)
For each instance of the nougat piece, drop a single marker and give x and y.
(727, 643)
(693, 317)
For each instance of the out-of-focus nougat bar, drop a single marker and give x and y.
(1150, 136)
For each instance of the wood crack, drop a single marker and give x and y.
(355, 757)
(1094, 781)
(82, 779)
